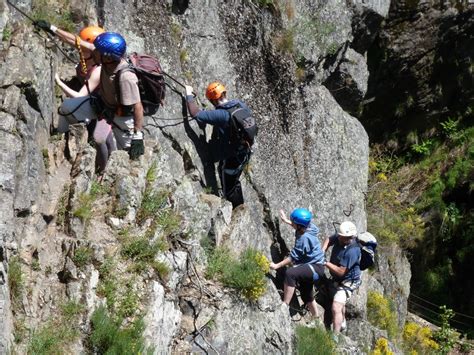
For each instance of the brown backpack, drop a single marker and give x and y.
(150, 81)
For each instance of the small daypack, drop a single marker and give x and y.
(150, 81)
(368, 245)
(243, 128)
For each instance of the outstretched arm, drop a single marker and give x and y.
(284, 262)
(284, 218)
(93, 82)
(65, 36)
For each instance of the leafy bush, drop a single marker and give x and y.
(424, 148)
(82, 256)
(141, 251)
(56, 334)
(217, 262)
(152, 202)
(382, 348)
(310, 339)
(169, 221)
(450, 128)
(108, 338)
(247, 275)
(391, 220)
(84, 211)
(7, 33)
(15, 279)
(44, 10)
(381, 314)
(419, 339)
(445, 336)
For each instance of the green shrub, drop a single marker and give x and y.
(423, 148)
(71, 310)
(381, 314)
(44, 10)
(141, 251)
(169, 221)
(310, 339)
(97, 189)
(151, 173)
(445, 336)
(15, 279)
(450, 129)
(84, 211)
(218, 259)
(108, 283)
(161, 268)
(152, 202)
(82, 256)
(247, 275)
(382, 348)
(56, 334)
(62, 211)
(35, 265)
(45, 154)
(129, 303)
(7, 33)
(107, 337)
(419, 339)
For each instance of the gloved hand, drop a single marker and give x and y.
(137, 147)
(45, 26)
(189, 90)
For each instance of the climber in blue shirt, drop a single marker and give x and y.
(233, 156)
(306, 256)
(345, 270)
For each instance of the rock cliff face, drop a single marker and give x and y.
(421, 70)
(310, 152)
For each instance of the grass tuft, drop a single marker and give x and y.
(310, 339)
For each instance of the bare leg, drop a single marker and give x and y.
(337, 316)
(313, 308)
(288, 293)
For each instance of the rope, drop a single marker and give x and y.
(73, 111)
(82, 61)
(437, 313)
(435, 305)
(347, 213)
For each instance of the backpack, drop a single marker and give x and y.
(243, 128)
(151, 83)
(367, 244)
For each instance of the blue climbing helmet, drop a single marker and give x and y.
(111, 44)
(301, 216)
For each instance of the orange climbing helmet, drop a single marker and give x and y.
(89, 33)
(215, 90)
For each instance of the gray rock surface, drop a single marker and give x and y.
(429, 46)
(309, 153)
(348, 83)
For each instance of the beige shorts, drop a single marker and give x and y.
(342, 291)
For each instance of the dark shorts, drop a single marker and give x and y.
(301, 276)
